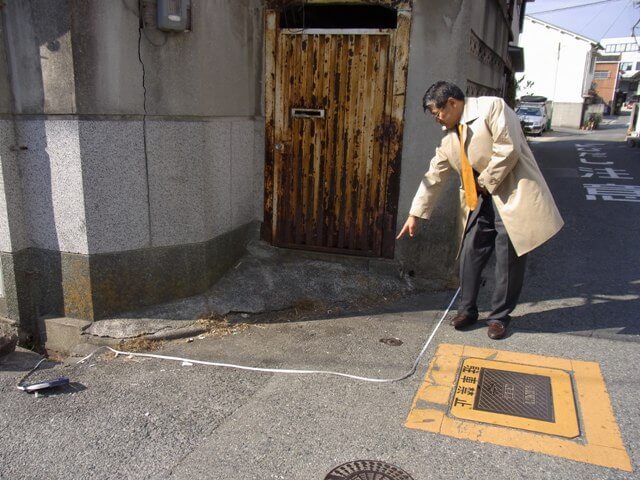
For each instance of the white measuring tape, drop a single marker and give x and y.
(281, 370)
(293, 371)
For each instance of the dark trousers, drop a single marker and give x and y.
(485, 233)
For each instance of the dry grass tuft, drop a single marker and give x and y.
(219, 326)
(140, 344)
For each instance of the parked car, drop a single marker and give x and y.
(533, 117)
(631, 101)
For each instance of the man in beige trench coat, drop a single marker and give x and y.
(506, 204)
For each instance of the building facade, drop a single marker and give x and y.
(606, 77)
(134, 161)
(560, 64)
(625, 52)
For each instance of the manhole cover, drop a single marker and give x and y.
(514, 393)
(392, 342)
(529, 397)
(367, 470)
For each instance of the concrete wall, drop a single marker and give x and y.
(90, 185)
(212, 193)
(213, 71)
(566, 115)
(86, 188)
(124, 140)
(489, 24)
(6, 140)
(440, 34)
(139, 154)
(5, 84)
(88, 57)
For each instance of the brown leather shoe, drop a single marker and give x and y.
(461, 321)
(497, 330)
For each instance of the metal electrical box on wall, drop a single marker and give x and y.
(173, 15)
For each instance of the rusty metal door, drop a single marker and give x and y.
(332, 132)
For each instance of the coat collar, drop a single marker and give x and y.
(470, 112)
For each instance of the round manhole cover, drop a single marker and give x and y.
(392, 342)
(367, 470)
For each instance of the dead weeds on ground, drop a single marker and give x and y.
(141, 344)
(219, 326)
(301, 310)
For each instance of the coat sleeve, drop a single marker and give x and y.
(431, 185)
(504, 126)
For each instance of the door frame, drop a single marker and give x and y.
(392, 132)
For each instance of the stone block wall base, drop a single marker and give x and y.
(58, 285)
(61, 334)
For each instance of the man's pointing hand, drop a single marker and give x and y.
(409, 227)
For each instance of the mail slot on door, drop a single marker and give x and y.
(307, 112)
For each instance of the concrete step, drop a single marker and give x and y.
(61, 334)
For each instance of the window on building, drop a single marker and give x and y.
(621, 47)
(626, 66)
(601, 74)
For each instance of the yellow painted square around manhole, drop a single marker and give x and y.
(520, 400)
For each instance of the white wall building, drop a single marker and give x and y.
(560, 65)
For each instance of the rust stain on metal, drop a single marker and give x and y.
(270, 27)
(386, 131)
(332, 182)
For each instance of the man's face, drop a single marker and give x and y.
(449, 115)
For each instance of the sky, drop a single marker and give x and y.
(594, 19)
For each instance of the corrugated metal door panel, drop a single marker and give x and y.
(330, 169)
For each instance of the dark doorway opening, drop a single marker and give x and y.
(338, 16)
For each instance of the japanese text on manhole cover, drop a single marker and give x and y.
(514, 393)
(520, 396)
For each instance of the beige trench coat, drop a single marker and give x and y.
(498, 151)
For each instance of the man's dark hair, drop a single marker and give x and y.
(438, 94)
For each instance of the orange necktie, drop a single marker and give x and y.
(468, 180)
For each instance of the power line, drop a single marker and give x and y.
(604, 35)
(575, 6)
(597, 15)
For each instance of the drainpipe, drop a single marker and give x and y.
(555, 83)
(555, 76)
